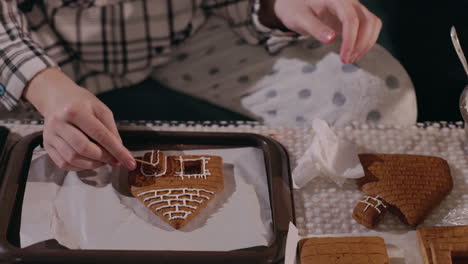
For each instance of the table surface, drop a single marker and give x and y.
(323, 208)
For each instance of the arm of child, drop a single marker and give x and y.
(72, 115)
(277, 23)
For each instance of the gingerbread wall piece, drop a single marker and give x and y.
(343, 250)
(176, 188)
(369, 211)
(410, 185)
(440, 243)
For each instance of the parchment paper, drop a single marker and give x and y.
(94, 210)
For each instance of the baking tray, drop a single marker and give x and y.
(279, 185)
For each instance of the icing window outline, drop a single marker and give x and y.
(154, 164)
(376, 199)
(203, 173)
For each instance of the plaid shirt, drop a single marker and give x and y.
(106, 44)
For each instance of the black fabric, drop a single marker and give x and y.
(26, 6)
(151, 100)
(426, 51)
(417, 33)
(3, 137)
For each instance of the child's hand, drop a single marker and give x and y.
(323, 19)
(73, 116)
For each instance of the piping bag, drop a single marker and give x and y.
(327, 156)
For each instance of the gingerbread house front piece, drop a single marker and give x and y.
(176, 188)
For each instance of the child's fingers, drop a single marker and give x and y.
(95, 129)
(72, 157)
(348, 16)
(58, 160)
(82, 145)
(369, 25)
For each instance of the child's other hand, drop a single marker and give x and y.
(324, 19)
(73, 116)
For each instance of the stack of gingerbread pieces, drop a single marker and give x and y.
(343, 250)
(409, 186)
(176, 188)
(440, 244)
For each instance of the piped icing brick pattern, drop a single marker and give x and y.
(176, 203)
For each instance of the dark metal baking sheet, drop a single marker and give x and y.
(279, 184)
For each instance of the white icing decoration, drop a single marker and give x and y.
(375, 199)
(204, 171)
(154, 164)
(158, 196)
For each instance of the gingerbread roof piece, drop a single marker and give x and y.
(343, 250)
(410, 185)
(176, 188)
(440, 243)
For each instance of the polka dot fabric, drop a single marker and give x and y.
(302, 82)
(335, 92)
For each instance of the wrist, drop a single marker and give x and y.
(45, 87)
